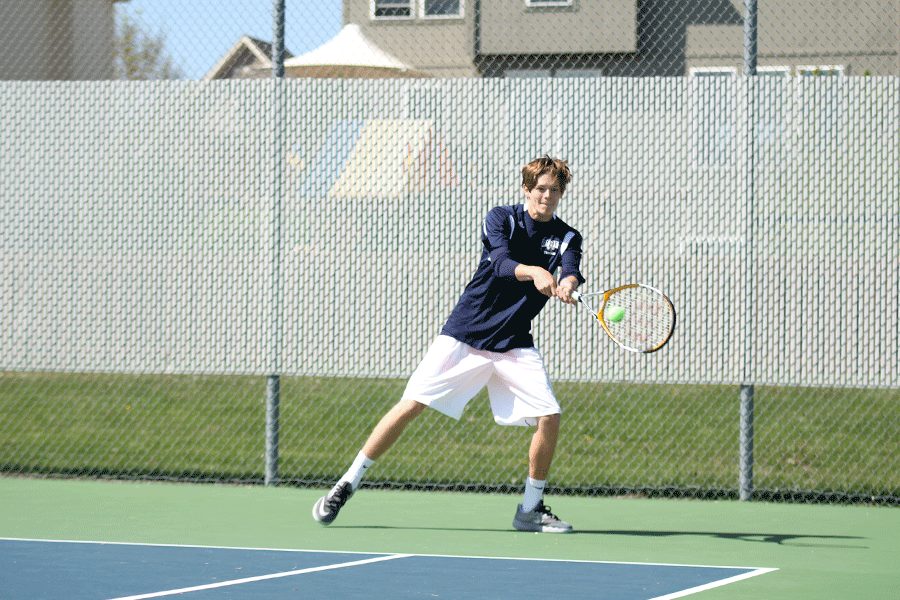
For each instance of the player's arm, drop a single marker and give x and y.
(546, 283)
(496, 232)
(543, 280)
(570, 276)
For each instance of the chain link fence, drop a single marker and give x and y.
(216, 274)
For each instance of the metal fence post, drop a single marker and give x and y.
(746, 406)
(273, 382)
(746, 451)
(273, 398)
(750, 37)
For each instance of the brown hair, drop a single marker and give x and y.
(542, 166)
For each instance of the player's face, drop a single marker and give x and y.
(543, 198)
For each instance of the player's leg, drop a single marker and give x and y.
(521, 394)
(533, 514)
(386, 432)
(450, 374)
(390, 427)
(543, 446)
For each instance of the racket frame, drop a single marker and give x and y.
(604, 297)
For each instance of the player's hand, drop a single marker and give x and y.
(564, 290)
(544, 281)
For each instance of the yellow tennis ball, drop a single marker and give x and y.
(614, 313)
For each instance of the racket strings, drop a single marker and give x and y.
(648, 319)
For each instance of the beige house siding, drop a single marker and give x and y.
(584, 27)
(664, 38)
(440, 47)
(57, 39)
(861, 38)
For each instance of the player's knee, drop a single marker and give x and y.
(409, 409)
(550, 422)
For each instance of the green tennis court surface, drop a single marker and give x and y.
(209, 541)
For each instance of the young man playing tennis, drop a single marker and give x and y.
(487, 341)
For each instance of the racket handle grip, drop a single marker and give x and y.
(576, 295)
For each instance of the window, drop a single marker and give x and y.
(821, 71)
(392, 9)
(713, 72)
(441, 8)
(522, 73)
(773, 71)
(559, 73)
(428, 9)
(569, 73)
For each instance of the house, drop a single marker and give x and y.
(348, 55)
(563, 38)
(57, 39)
(249, 58)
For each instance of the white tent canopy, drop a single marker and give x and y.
(349, 54)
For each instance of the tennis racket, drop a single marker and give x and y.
(637, 317)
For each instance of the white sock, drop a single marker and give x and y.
(357, 470)
(534, 493)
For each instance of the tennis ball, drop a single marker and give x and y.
(615, 313)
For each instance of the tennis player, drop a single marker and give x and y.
(487, 341)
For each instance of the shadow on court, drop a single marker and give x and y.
(769, 538)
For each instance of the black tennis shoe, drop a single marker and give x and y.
(327, 507)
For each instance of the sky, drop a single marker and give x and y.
(198, 33)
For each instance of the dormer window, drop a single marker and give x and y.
(392, 9)
(427, 9)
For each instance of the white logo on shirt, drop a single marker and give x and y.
(550, 246)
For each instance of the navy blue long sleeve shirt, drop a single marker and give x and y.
(495, 310)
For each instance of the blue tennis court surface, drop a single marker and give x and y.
(96, 570)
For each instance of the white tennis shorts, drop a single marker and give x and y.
(452, 373)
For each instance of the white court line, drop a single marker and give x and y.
(219, 584)
(713, 584)
(475, 556)
(205, 547)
